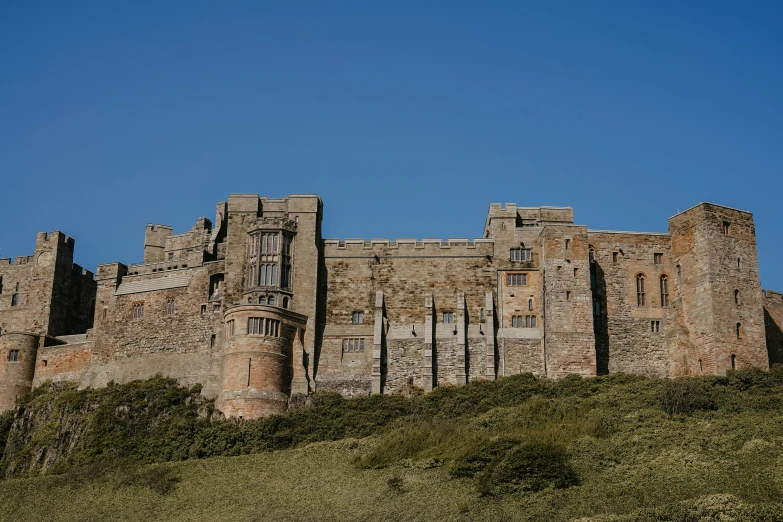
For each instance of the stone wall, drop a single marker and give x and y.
(569, 342)
(180, 345)
(627, 339)
(434, 312)
(714, 251)
(63, 362)
(773, 324)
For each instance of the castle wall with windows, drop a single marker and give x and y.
(256, 306)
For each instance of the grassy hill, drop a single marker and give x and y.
(608, 448)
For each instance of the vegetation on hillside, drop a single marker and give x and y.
(615, 446)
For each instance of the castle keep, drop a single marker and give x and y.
(257, 306)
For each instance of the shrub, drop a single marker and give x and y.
(683, 396)
(395, 484)
(530, 466)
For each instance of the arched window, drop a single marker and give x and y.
(640, 290)
(262, 278)
(700, 367)
(733, 362)
(262, 300)
(736, 297)
(481, 314)
(516, 321)
(664, 291)
(272, 300)
(527, 321)
(592, 254)
(530, 304)
(740, 331)
(533, 321)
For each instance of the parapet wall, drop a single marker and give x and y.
(408, 247)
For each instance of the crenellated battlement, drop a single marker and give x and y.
(82, 272)
(409, 247)
(773, 296)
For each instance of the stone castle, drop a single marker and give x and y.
(257, 306)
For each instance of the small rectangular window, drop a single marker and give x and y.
(230, 328)
(658, 259)
(353, 345)
(655, 326)
(448, 317)
(357, 317)
(516, 279)
(255, 326)
(212, 341)
(614, 257)
(170, 306)
(568, 295)
(15, 300)
(13, 356)
(520, 254)
(725, 228)
(567, 243)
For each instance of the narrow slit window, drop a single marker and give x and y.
(664, 291)
(736, 297)
(597, 316)
(733, 362)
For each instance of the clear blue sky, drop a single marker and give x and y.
(407, 118)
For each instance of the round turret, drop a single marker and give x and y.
(17, 366)
(257, 360)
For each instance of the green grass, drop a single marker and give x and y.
(609, 448)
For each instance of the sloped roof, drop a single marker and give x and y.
(148, 285)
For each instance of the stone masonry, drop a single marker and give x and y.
(257, 306)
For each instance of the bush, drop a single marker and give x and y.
(530, 466)
(685, 395)
(395, 484)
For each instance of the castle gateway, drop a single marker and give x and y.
(257, 306)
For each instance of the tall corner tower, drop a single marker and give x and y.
(720, 311)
